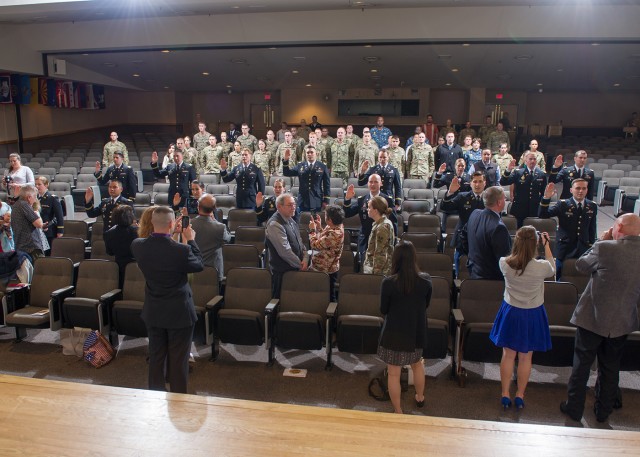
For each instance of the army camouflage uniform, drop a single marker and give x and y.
(444, 130)
(300, 144)
(226, 147)
(201, 140)
(263, 161)
(190, 156)
(339, 161)
(303, 132)
(397, 160)
(484, 133)
(277, 161)
(365, 152)
(248, 141)
(323, 148)
(272, 147)
(235, 158)
(211, 162)
(110, 148)
(464, 133)
(420, 164)
(502, 161)
(354, 140)
(496, 138)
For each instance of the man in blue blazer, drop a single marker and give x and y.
(488, 237)
(168, 312)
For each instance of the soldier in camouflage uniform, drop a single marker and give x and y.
(323, 146)
(354, 141)
(326, 137)
(201, 139)
(304, 130)
(299, 142)
(420, 163)
(247, 140)
(467, 130)
(496, 137)
(339, 158)
(111, 147)
(191, 155)
(271, 145)
(485, 130)
(225, 145)
(235, 157)
(288, 144)
(397, 156)
(448, 128)
(320, 153)
(212, 155)
(367, 150)
(262, 158)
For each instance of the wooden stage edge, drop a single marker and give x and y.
(54, 418)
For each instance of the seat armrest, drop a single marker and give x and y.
(18, 287)
(63, 293)
(215, 303)
(272, 306)
(111, 296)
(457, 315)
(332, 308)
(16, 297)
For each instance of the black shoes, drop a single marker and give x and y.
(565, 410)
(600, 417)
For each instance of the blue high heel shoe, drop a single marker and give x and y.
(519, 403)
(506, 402)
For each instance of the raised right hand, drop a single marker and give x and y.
(259, 199)
(88, 194)
(154, 157)
(511, 165)
(442, 168)
(223, 164)
(176, 199)
(558, 162)
(351, 192)
(287, 154)
(455, 185)
(98, 166)
(365, 167)
(549, 190)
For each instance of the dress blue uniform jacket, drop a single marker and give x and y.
(315, 184)
(180, 177)
(576, 229)
(125, 175)
(391, 184)
(105, 209)
(464, 203)
(566, 176)
(529, 189)
(249, 182)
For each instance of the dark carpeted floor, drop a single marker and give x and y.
(241, 372)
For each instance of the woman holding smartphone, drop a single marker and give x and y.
(521, 325)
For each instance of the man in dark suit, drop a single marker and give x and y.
(249, 180)
(234, 133)
(576, 222)
(282, 238)
(488, 237)
(180, 175)
(361, 209)
(50, 211)
(448, 153)
(168, 312)
(107, 205)
(118, 172)
(315, 183)
(529, 184)
(606, 313)
(391, 184)
(464, 203)
(566, 175)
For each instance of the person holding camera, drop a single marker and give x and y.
(16, 176)
(521, 325)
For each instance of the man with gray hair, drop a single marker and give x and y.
(211, 235)
(282, 237)
(488, 237)
(168, 311)
(27, 224)
(606, 313)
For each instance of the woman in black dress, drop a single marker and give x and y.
(118, 239)
(405, 296)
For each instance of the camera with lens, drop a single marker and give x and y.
(7, 180)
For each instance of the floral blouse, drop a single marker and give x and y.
(328, 243)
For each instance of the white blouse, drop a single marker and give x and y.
(526, 290)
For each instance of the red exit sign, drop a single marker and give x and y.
(267, 96)
(498, 96)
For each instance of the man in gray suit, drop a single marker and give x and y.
(606, 313)
(168, 311)
(282, 237)
(210, 234)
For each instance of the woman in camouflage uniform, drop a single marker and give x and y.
(262, 158)
(381, 239)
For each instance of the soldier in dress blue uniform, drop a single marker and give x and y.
(529, 184)
(118, 172)
(50, 210)
(180, 175)
(266, 206)
(197, 191)
(391, 184)
(464, 203)
(566, 175)
(249, 180)
(576, 221)
(361, 209)
(445, 178)
(315, 183)
(107, 205)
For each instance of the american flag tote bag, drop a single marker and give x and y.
(97, 350)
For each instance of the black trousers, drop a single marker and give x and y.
(170, 345)
(588, 346)
(276, 282)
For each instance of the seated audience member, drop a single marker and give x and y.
(118, 239)
(381, 239)
(145, 227)
(328, 242)
(521, 325)
(27, 224)
(210, 234)
(488, 238)
(404, 298)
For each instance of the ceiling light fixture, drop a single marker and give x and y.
(373, 70)
(455, 70)
(229, 86)
(560, 70)
(308, 85)
(295, 72)
(523, 57)
(166, 87)
(466, 44)
(205, 73)
(136, 75)
(616, 85)
(539, 84)
(165, 51)
(371, 59)
(595, 44)
(447, 84)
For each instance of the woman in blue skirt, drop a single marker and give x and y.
(521, 325)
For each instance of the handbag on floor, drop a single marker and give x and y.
(97, 349)
(72, 340)
(378, 387)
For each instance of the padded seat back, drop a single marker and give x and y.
(438, 318)
(436, 264)
(50, 273)
(71, 248)
(134, 283)
(96, 278)
(239, 255)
